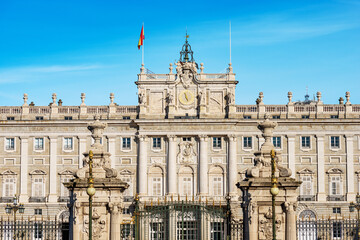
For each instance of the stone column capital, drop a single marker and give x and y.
(203, 137)
(320, 137)
(349, 137)
(142, 138)
(232, 137)
(171, 137)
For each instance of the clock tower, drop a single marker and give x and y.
(186, 91)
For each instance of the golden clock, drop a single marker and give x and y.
(186, 97)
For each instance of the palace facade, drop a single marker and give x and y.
(186, 138)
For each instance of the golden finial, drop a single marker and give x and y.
(91, 154)
(165, 199)
(172, 198)
(206, 201)
(273, 153)
(186, 197)
(213, 203)
(158, 201)
(178, 197)
(42, 218)
(151, 203)
(145, 204)
(193, 199)
(199, 199)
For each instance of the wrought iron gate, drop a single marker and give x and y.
(181, 220)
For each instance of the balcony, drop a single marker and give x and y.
(37, 199)
(63, 199)
(335, 198)
(306, 198)
(6, 199)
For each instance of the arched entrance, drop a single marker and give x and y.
(307, 225)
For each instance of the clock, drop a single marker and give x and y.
(186, 97)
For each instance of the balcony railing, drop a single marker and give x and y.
(306, 198)
(6, 199)
(335, 198)
(63, 199)
(37, 199)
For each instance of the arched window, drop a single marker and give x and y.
(186, 181)
(156, 181)
(8, 184)
(216, 180)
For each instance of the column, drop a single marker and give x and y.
(111, 150)
(291, 154)
(290, 221)
(253, 228)
(232, 165)
(24, 145)
(115, 232)
(53, 172)
(142, 166)
(203, 168)
(172, 190)
(82, 149)
(321, 195)
(350, 195)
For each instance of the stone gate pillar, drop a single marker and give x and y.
(258, 184)
(108, 199)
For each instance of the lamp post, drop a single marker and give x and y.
(274, 191)
(90, 191)
(352, 209)
(14, 208)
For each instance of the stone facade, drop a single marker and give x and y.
(186, 137)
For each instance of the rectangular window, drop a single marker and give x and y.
(247, 117)
(335, 141)
(305, 117)
(9, 187)
(335, 185)
(157, 230)
(306, 186)
(276, 117)
(68, 143)
(126, 117)
(37, 211)
(217, 230)
(277, 142)
(247, 142)
(217, 186)
(64, 190)
(157, 186)
(10, 118)
(68, 117)
(10, 144)
(126, 143)
(38, 118)
(38, 187)
(156, 143)
(186, 139)
(334, 116)
(39, 143)
(337, 230)
(337, 210)
(187, 186)
(305, 142)
(216, 142)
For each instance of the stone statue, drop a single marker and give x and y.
(201, 98)
(230, 98)
(170, 98)
(142, 98)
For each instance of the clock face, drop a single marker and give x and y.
(186, 97)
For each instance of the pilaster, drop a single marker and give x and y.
(111, 150)
(142, 165)
(291, 154)
(321, 195)
(172, 165)
(24, 144)
(232, 165)
(53, 172)
(350, 195)
(203, 168)
(82, 149)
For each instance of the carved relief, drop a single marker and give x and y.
(142, 97)
(187, 152)
(98, 224)
(265, 225)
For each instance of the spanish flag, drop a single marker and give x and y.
(142, 37)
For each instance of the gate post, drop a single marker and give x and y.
(246, 197)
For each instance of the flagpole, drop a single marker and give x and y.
(230, 38)
(143, 46)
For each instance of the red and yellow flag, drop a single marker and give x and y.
(142, 37)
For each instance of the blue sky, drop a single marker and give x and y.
(70, 47)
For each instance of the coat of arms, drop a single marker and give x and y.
(186, 153)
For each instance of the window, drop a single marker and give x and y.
(37, 211)
(277, 142)
(157, 186)
(129, 191)
(306, 186)
(216, 142)
(156, 143)
(68, 117)
(39, 143)
(126, 143)
(337, 210)
(10, 118)
(247, 142)
(247, 117)
(126, 117)
(10, 144)
(337, 230)
(38, 231)
(186, 139)
(64, 190)
(39, 118)
(305, 142)
(217, 186)
(335, 185)
(276, 117)
(38, 187)
(334, 116)
(305, 117)
(217, 230)
(335, 141)
(68, 143)
(9, 186)
(187, 186)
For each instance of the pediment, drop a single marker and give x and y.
(8, 172)
(305, 171)
(335, 171)
(66, 172)
(37, 172)
(125, 172)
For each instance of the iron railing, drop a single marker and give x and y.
(34, 229)
(323, 229)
